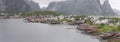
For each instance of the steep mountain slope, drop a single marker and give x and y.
(81, 7)
(106, 8)
(2, 5)
(34, 6)
(16, 6)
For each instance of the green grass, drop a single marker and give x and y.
(107, 28)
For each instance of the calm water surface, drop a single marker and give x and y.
(15, 30)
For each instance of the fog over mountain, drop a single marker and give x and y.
(117, 11)
(81, 7)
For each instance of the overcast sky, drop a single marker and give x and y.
(44, 3)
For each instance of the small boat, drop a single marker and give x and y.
(107, 35)
(53, 22)
(117, 35)
(75, 23)
(78, 22)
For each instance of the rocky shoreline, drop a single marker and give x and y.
(82, 25)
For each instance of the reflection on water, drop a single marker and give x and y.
(15, 30)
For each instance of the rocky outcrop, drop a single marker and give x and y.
(106, 8)
(81, 7)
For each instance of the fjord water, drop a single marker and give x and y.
(15, 30)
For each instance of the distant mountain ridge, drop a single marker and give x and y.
(16, 6)
(81, 7)
(12, 6)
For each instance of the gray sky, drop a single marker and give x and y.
(114, 3)
(44, 3)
